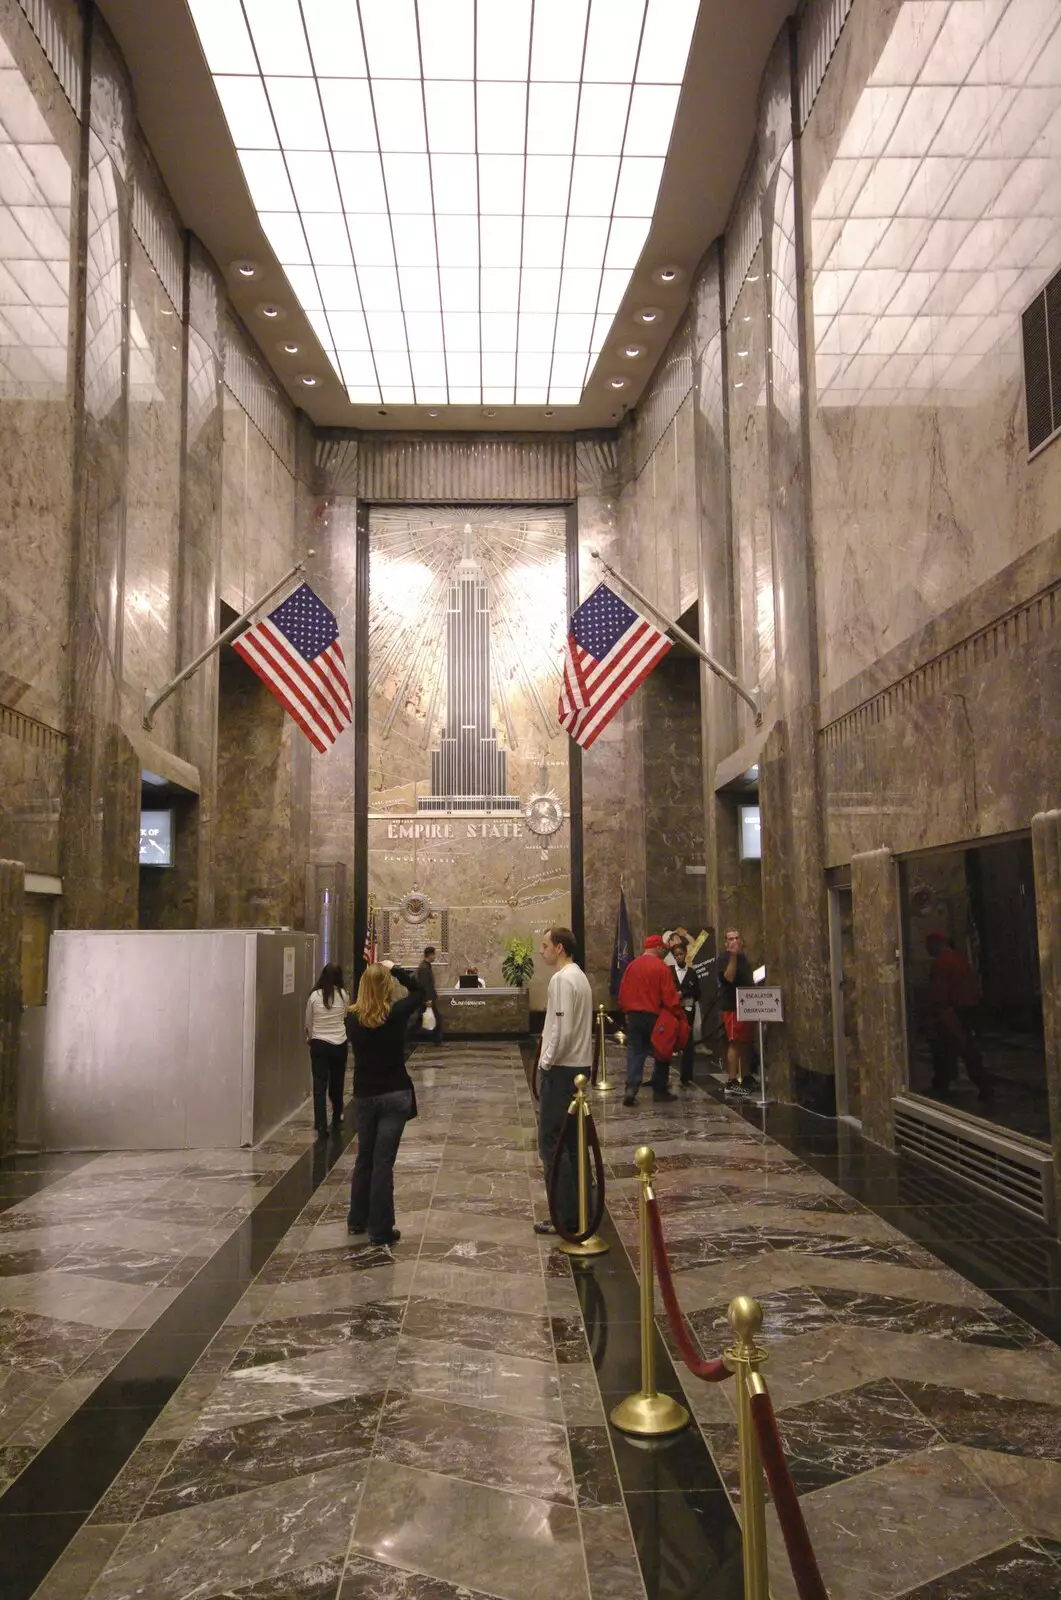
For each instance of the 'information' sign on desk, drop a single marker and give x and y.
(759, 1004)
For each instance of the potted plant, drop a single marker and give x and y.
(518, 964)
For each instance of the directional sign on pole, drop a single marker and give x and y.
(760, 1004)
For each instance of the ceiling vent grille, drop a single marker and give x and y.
(1017, 1174)
(1041, 338)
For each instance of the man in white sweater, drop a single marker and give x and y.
(567, 1050)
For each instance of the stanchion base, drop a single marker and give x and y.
(761, 1105)
(604, 1088)
(647, 1415)
(593, 1246)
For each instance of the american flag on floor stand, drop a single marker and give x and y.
(610, 650)
(370, 953)
(295, 651)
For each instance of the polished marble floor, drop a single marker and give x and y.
(208, 1390)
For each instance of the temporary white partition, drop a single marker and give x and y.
(173, 1040)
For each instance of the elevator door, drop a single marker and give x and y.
(845, 1009)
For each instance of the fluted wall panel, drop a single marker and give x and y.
(515, 470)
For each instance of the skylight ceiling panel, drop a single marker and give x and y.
(419, 289)
(265, 172)
(501, 241)
(247, 112)
(498, 331)
(279, 38)
(361, 185)
(328, 240)
(348, 114)
(458, 157)
(312, 174)
(296, 107)
(399, 106)
(552, 117)
(543, 241)
(286, 235)
(424, 329)
(450, 118)
(502, 41)
(464, 369)
(373, 243)
(612, 41)
(569, 371)
(334, 32)
(349, 330)
(408, 182)
(429, 369)
(455, 185)
(558, 43)
(357, 367)
(379, 288)
(638, 187)
(392, 46)
(339, 288)
(447, 39)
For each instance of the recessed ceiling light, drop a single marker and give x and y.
(272, 312)
(548, 412)
(381, 412)
(490, 413)
(739, 385)
(288, 347)
(742, 352)
(668, 274)
(246, 269)
(633, 351)
(618, 383)
(648, 314)
(432, 413)
(310, 379)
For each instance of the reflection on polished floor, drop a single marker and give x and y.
(207, 1389)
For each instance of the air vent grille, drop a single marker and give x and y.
(1041, 340)
(1016, 1174)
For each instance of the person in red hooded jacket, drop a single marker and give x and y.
(954, 994)
(647, 988)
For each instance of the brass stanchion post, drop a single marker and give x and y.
(745, 1357)
(602, 1085)
(648, 1413)
(594, 1245)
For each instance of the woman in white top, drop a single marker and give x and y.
(326, 1034)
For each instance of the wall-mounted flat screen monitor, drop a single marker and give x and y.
(156, 838)
(751, 834)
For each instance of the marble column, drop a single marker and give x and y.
(796, 831)
(200, 551)
(101, 798)
(1046, 849)
(613, 812)
(718, 703)
(878, 984)
(12, 881)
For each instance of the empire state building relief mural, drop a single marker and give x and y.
(469, 835)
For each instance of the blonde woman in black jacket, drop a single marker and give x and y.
(383, 1095)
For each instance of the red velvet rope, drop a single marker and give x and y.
(801, 1557)
(710, 1371)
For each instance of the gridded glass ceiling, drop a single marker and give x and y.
(458, 190)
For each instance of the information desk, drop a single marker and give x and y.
(484, 1010)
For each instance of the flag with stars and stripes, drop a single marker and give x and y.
(610, 650)
(295, 651)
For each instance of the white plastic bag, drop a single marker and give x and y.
(428, 1023)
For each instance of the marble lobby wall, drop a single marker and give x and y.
(152, 538)
(37, 397)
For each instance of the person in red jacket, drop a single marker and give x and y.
(647, 988)
(953, 994)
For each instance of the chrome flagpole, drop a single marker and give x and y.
(752, 696)
(222, 638)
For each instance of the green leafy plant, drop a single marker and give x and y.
(518, 964)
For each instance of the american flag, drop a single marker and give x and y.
(371, 951)
(610, 650)
(295, 651)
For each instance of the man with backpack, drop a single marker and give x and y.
(647, 994)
